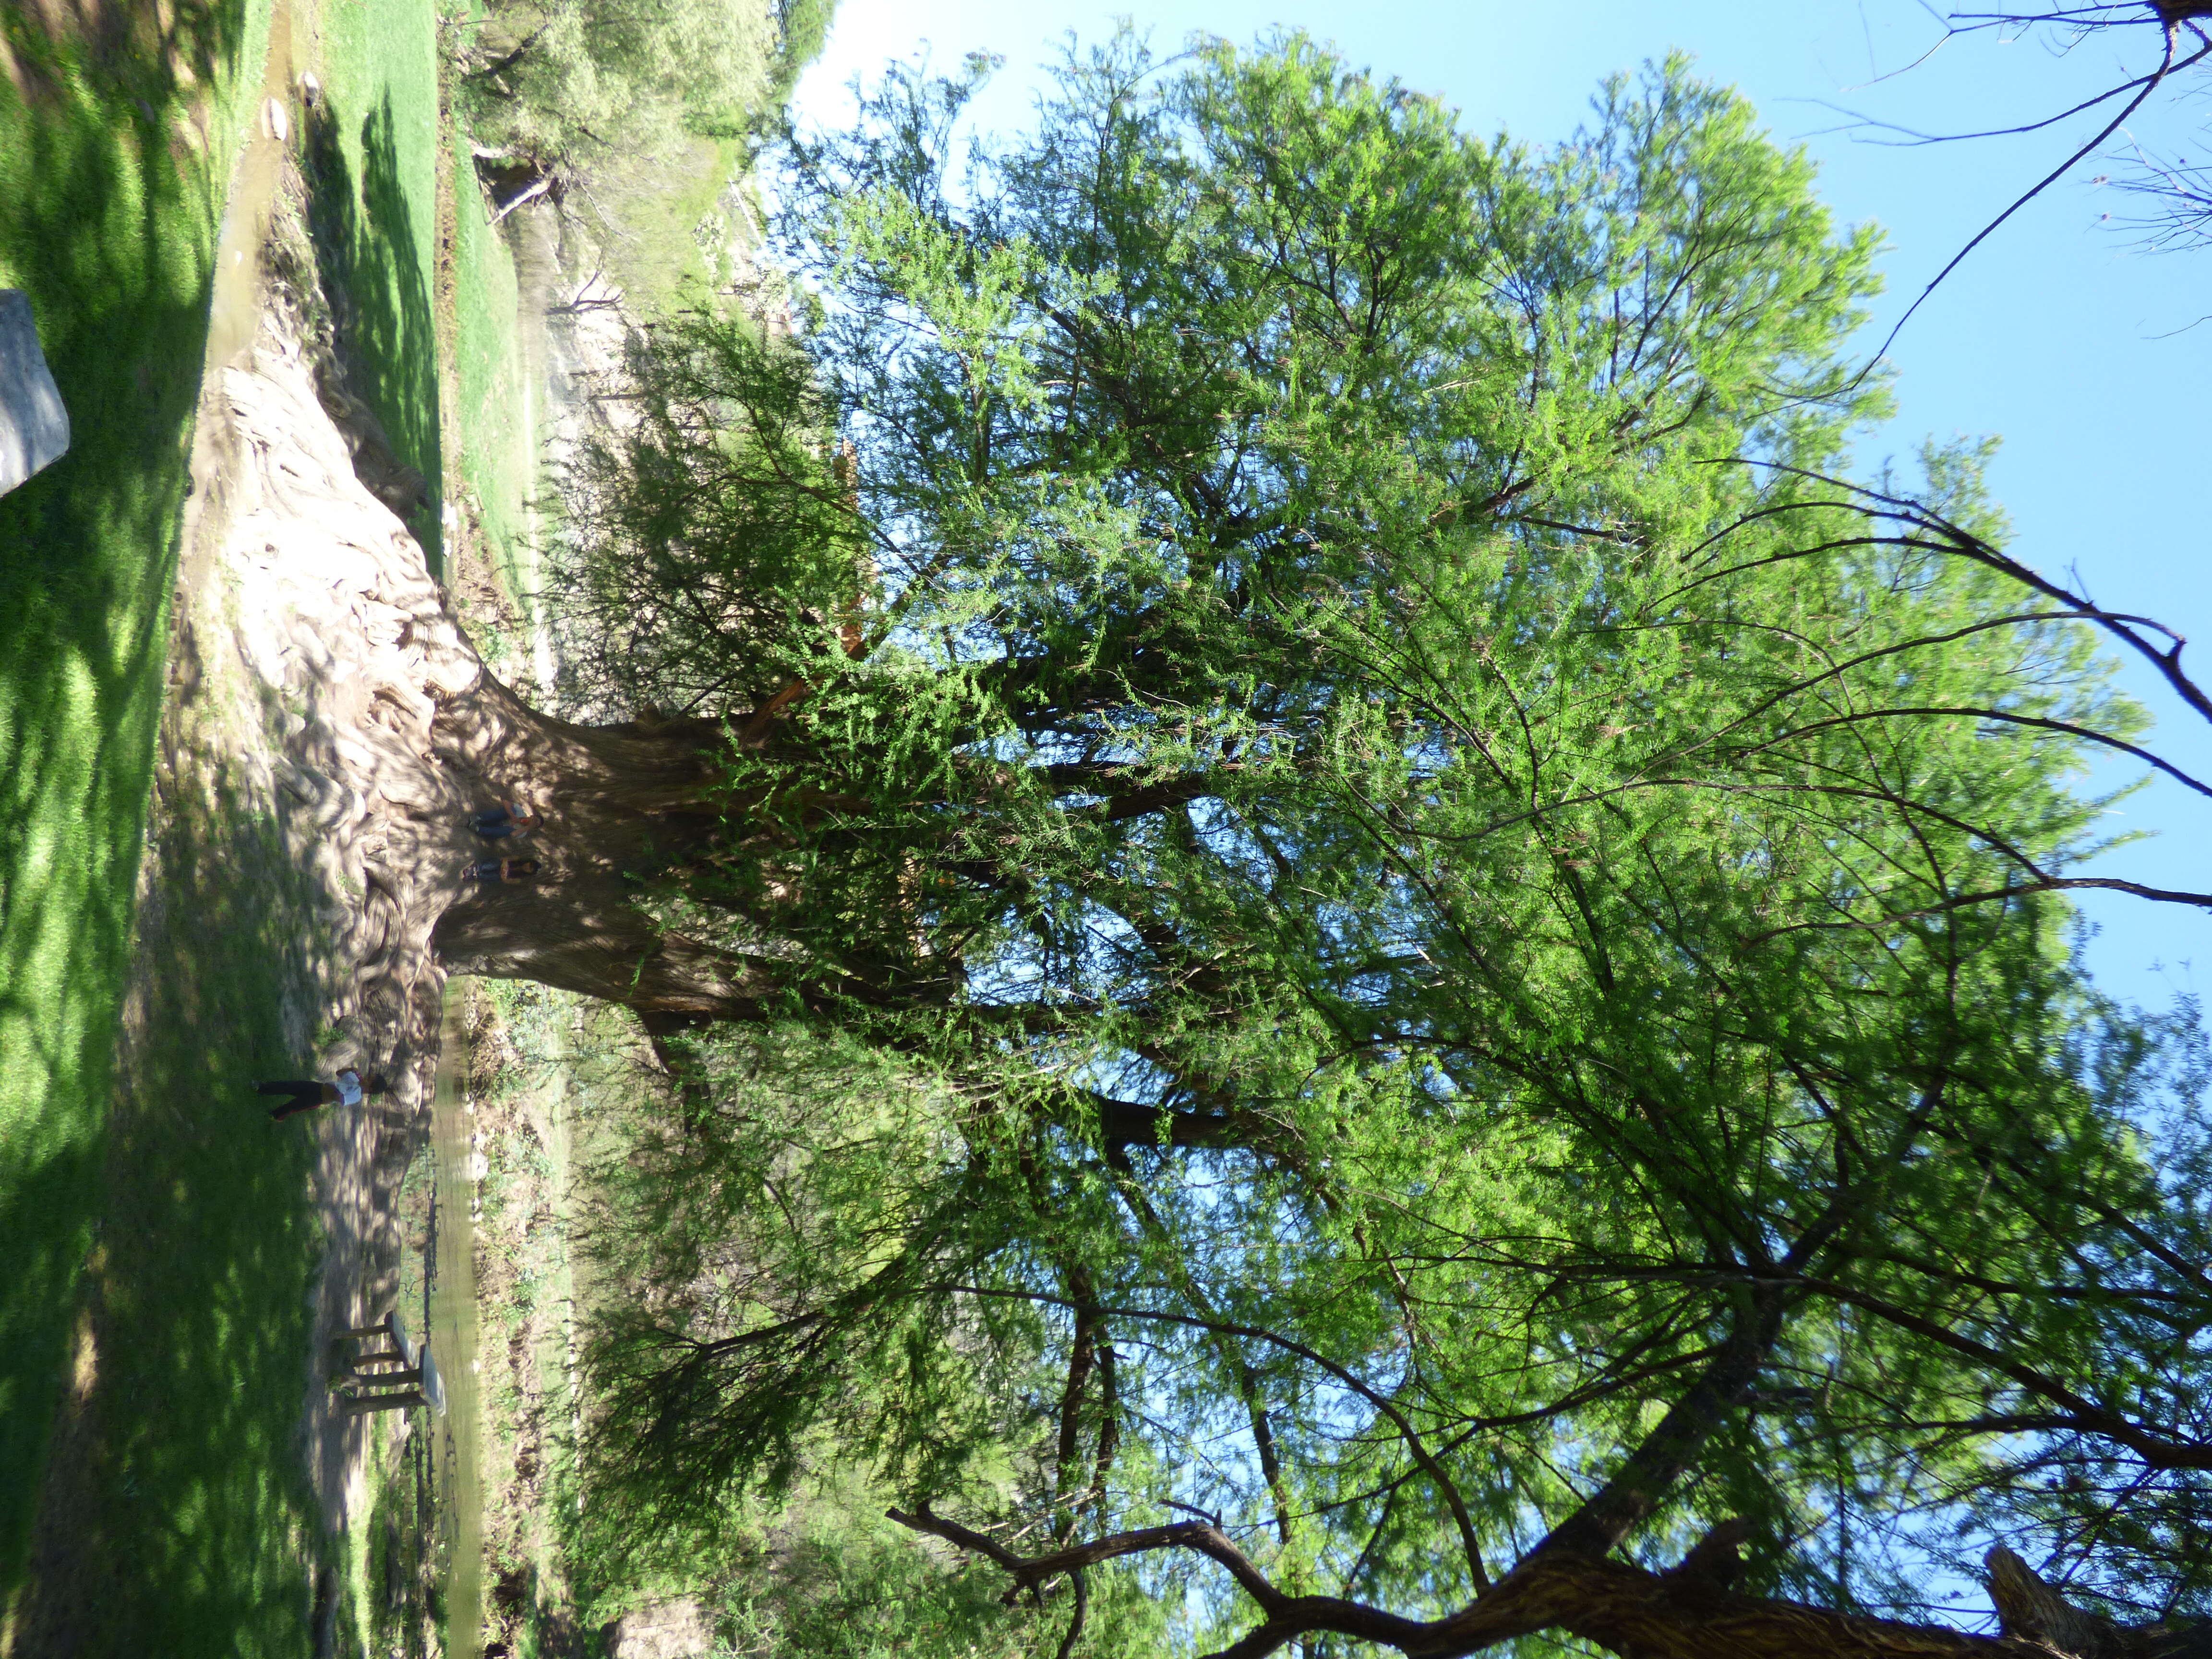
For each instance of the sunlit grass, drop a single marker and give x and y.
(155, 1229)
(498, 406)
(112, 159)
(375, 217)
(183, 1489)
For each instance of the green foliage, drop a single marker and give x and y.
(572, 82)
(665, 221)
(803, 1185)
(716, 521)
(734, 1212)
(873, 1601)
(1383, 911)
(802, 31)
(834, 1580)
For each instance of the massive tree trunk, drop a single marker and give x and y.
(393, 733)
(620, 804)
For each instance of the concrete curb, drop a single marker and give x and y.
(34, 427)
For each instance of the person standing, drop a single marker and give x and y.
(349, 1088)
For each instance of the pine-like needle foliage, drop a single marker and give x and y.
(1457, 947)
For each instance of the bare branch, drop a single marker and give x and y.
(1687, 1613)
(2148, 84)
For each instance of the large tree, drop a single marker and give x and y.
(1384, 915)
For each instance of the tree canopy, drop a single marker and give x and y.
(1390, 948)
(566, 82)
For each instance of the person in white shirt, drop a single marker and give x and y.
(346, 1088)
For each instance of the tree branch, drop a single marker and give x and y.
(2082, 1415)
(1420, 1452)
(1611, 1513)
(1687, 1613)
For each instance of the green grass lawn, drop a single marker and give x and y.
(498, 407)
(110, 197)
(180, 1519)
(155, 1236)
(374, 171)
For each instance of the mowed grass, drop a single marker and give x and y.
(157, 1238)
(113, 154)
(373, 161)
(497, 405)
(177, 1515)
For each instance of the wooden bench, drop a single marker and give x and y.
(393, 1374)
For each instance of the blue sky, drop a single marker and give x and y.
(2060, 334)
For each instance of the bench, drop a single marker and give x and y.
(393, 1374)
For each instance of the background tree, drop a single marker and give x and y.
(552, 88)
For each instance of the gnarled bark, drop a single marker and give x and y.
(2033, 1611)
(393, 733)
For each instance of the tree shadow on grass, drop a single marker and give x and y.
(176, 1515)
(150, 52)
(108, 223)
(368, 259)
(175, 1468)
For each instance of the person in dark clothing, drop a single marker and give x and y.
(492, 872)
(507, 818)
(306, 1094)
(348, 1089)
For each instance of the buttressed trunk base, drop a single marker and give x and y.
(391, 735)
